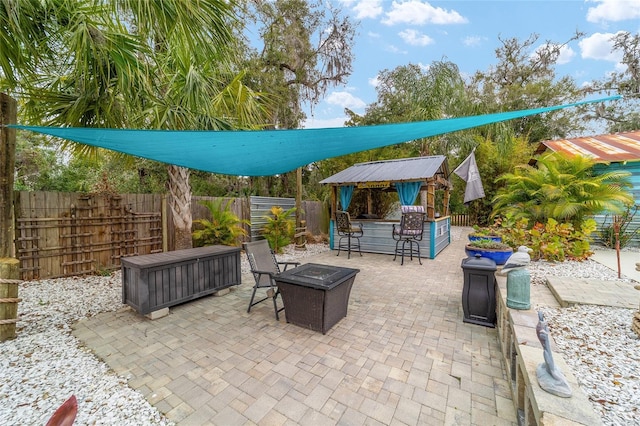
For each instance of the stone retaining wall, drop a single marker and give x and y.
(522, 352)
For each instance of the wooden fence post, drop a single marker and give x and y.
(8, 115)
(9, 266)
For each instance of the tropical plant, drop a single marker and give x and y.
(497, 154)
(279, 228)
(563, 188)
(224, 228)
(158, 64)
(552, 241)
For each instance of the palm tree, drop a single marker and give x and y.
(127, 63)
(563, 188)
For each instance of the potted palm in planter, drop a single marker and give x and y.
(494, 250)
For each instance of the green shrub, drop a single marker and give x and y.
(553, 241)
(224, 228)
(279, 229)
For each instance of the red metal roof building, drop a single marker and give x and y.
(612, 148)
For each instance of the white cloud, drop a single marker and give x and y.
(473, 41)
(324, 123)
(566, 54)
(345, 100)
(373, 35)
(415, 38)
(613, 10)
(598, 46)
(416, 12)
(368, 9)
(393, 49)
(374, 81)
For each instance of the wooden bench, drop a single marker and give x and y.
(156, 281)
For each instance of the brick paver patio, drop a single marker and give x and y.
(402, 356)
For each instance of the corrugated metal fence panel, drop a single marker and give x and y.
(604, 220)
(633, 228)
(632, 167)
(260, 207)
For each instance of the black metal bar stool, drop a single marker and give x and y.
(347, 230)
(409, 232)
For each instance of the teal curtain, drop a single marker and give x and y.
(346, 192)
(408, 192)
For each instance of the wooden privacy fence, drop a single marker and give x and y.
(461, 220)
(64, 234)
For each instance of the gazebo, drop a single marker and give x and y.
(409, 177)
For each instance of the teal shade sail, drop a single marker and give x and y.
(270, 152)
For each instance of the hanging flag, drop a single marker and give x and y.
(468, 171)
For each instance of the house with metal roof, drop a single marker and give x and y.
(611, 152)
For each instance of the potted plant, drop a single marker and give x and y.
(486, 233)
(497, 251)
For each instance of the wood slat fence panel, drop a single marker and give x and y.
(64, 234)
(461, 220)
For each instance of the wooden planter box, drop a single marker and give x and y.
(156, 281)
(316, 296)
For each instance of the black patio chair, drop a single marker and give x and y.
(347, 230)
(265, 267)
(409, 232)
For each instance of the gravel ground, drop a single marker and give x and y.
(45, 364)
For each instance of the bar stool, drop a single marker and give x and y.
(409, 232)
(347, 230)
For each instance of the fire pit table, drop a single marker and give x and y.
(316, 296)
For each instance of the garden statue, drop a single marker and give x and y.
(518, 279)
(550, 377)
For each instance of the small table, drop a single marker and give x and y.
(316, 296)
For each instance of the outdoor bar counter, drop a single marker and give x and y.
(419, 181)
(377, 236)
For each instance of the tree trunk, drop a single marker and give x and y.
(179, 201)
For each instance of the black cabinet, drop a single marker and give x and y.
(479, 291)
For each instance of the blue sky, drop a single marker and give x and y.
(398, 32)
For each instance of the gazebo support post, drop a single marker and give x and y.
(334, 201)
(431, 200)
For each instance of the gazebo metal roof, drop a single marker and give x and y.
(399, 170)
